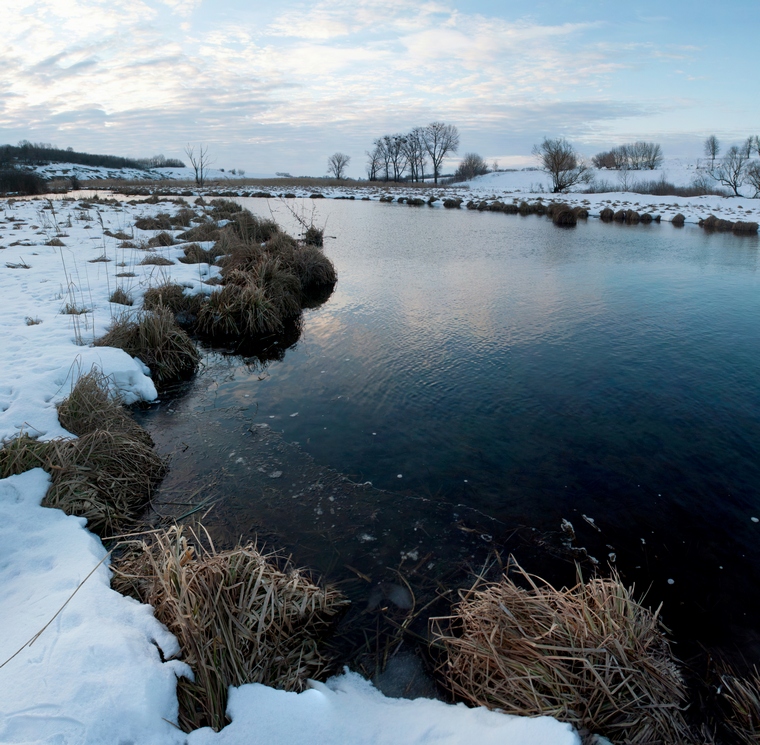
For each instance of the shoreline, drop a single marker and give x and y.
(37, 256)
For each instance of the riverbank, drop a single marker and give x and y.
(63, 264)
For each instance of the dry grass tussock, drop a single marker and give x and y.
(238, 617)
(107, 475)
(268, 277)
(155, 337)
(590, 655)
(743, 698)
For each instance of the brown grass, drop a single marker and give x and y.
(590, 655)
(743, 698)
(162, 239)
(107, 475)
(156, 260)
(208, 231)
(194, 254)
(90, 406)
(121, 296)
(171, 295)
(162, 221)
(237, 616)
(157, 340)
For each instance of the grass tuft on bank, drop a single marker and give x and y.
(107, 474)
(155, 338)
(239, 618)
(589, 655)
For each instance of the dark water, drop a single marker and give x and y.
(537, 373)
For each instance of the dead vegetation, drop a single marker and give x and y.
(107, 475)
(239, 618)
(742, 696)
(155, 337)
(589, 655)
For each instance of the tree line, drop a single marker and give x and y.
(635, 156)
(399, 157)
(28, 153)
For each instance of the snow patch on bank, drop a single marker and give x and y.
(95, 674)
(348, 710)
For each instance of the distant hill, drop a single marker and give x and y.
(32, 154)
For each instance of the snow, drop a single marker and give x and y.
(348, 709)
(100, 173)
(95, 674)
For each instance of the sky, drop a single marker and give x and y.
(279, 86)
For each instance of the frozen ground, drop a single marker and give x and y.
(95, 674)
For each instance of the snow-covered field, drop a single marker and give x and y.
(94, 671)
(100, 173)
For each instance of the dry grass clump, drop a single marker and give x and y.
(561, 214)
(740, 226)
(241, 308)
(237, 616)
(207, 231)
(678, 220)
(607, 214)
(162, 239)
(452, 204)
(314, 236)
(107, 475)
(121, 296)
(154, 259)
(252, 229)
(171, 295)
(743, 698)
(90, 406)
(157, 340)
(590, 655)
(224, 209)
(195, 254)
(162, 221)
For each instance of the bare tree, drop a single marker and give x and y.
(732, 169)
(558, 158)
(200, 162)
(398, 157)
(374, 163)
(440, 139)
(384, 156)
(472, 165)
(337, 164)
(712, 149)
(753, 177)
(416, 154)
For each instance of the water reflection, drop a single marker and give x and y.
(534, 374)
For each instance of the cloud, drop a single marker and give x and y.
(138, 75)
